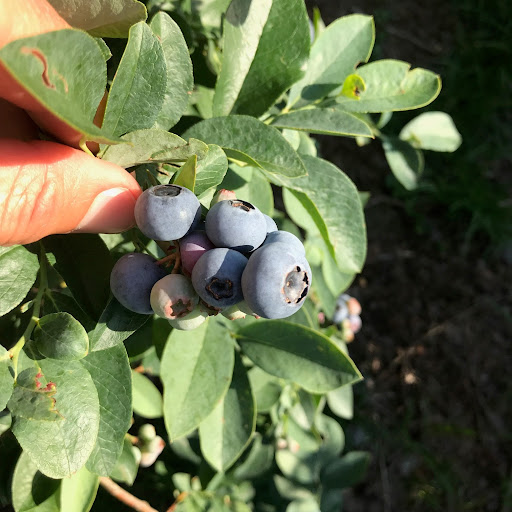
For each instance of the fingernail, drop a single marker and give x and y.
(110, 212)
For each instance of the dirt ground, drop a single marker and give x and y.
(437, 326)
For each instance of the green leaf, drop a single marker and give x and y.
(85, 264)
(105, 50)
(305, 409)
(353, 86)
(153, 146)
(326, 299)
(305, 315)
(182, 448)
(211, 169)
(138, 89)
(266, 388)
(128, 464)
(116, 323)
(405, 162)
(147, 400)
(262, 39)
(31, 490)
(59, 448)
(111, 375)
(6, 377)
(18, 271)
(308, 145)
(291, 490)
(141, 341)
(391, 85)
(347, 471)
(331, 500)
(333, 438)
(258, 460)
(435, 131)
(196, 371)
(66, 73)
(210, 12)
(296, 468)
(250, 141)
(77, 493)
(60, 302)
(31, 399)
(186, 175)
(5, 421)
(249, 184)
(338, 50)
(226, 432)
(60, 336)
(108, 18)
(336, 281)
(180, 81)
(327, 121)
(300, 460)
(306, 505)
(341, 402)
(297, 353)
(202, 99)
(332, 200)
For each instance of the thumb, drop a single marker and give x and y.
(48, 188)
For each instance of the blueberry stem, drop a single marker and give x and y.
(167, 260)
(177, 262)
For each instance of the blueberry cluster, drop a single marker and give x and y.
(347, 315)
(238, 263)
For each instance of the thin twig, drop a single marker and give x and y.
(124, 496)
(177, 263)
(167, 260)
(179, 499)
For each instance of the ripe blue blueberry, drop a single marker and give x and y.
(286, 238)
(173, 297)
(271, 224)
(276, 281)
(236, 224)
(131, 281)
(167, 212)
(217, 277)
(192, 247)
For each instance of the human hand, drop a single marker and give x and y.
(47, 187)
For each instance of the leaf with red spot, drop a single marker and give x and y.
(66, 73)
(33, 397)
(62, 446)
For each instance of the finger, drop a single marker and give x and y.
(20, 126)
(48, 188)
(27, 18)
(24, 19)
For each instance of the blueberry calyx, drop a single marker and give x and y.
(166, 191)
(296, 286)
(220, 288)
(179, 308)
(242, 205)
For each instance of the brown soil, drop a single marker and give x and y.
(434, 348)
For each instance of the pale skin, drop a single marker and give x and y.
(50, 187)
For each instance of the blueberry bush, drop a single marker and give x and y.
(197, 409)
